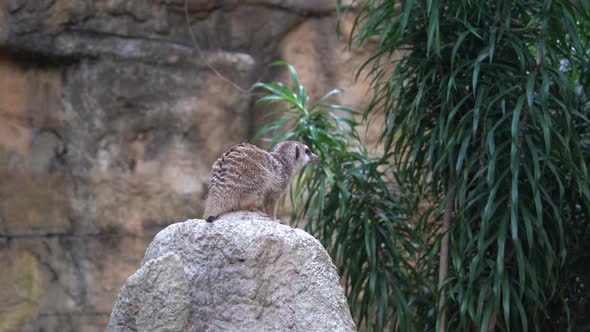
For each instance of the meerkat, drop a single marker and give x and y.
(246, 177)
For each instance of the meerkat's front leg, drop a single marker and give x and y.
(271, 204)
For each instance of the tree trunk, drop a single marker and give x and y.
(444, 251)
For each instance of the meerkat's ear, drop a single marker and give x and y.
(297, 152)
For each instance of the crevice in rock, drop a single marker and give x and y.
(302, 11)
(77, 313)
(71, 46)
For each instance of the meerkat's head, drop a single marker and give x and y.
(296, 152)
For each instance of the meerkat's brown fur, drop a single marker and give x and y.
(246, 177)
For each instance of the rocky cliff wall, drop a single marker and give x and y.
(111, 114)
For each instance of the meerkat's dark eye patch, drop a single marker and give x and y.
(307, 152)
(297, 153)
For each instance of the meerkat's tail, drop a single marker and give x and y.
(209, 215)
(214, 207)
(212, 211)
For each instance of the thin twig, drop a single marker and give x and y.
(444, 250)
(200, 52)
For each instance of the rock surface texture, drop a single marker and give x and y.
(242, 272)
(111, 115)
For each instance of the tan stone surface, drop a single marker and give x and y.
(14, 135)
(325, 60)
(64, 278)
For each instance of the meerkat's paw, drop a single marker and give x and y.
(259, 212)
(262, 214)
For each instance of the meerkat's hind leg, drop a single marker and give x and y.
(254, 208)
(271, 205)
(262, 213)
(251, 203)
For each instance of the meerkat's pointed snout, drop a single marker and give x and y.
(314, 159)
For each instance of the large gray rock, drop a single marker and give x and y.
(244, 273)
(155, 298)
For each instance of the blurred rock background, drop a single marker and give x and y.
(111, 114)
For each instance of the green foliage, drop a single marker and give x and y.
(476, 105)
(352, 207)
(485, 106)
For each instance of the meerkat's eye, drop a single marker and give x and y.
(307, 152)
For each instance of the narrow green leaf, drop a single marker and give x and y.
(456, 47)
(514, 128)
(462, 153)
(506, 297)
(492, 43)
(530, 87)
